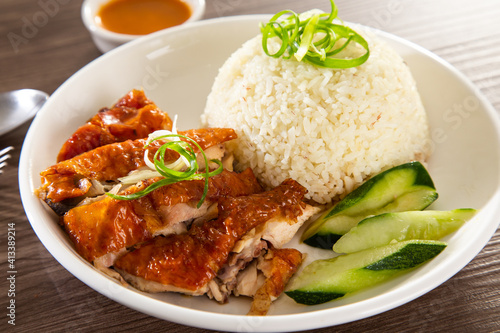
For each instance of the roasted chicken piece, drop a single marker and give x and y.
(241, 275)
(132, 117)
(189, 262)
(74, 178)
(278, 266)
(103, 230)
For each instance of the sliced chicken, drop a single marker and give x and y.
(278, 266)
(256, 243)
(132, 117)
(103, 230)
(189, 262)
(73, 178)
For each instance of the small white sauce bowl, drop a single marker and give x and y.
(106, 40)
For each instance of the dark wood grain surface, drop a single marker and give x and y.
(43, 42)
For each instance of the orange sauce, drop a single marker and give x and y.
(141, 17)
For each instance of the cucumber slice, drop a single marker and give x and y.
(325, 280)
(401, 188)
(383, 229)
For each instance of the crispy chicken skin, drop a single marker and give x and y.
(132, 117)
(109, 225)
(278, 266)
(72, 178)
(188, 262)
(240, 275)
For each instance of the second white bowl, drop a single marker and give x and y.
(106, 40)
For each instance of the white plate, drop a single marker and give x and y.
(176, 68)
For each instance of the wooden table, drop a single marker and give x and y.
(44, 42)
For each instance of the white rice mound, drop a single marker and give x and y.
(329, 129)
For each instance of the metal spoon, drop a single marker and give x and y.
(18, 106)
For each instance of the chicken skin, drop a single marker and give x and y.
(73, 178)
(278, 266)
(132, 117)
(110, 226)
(189, 262)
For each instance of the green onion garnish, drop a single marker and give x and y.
(171, 175)
(314, 39)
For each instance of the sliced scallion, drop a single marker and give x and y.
(173, 175)
(313, 37)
